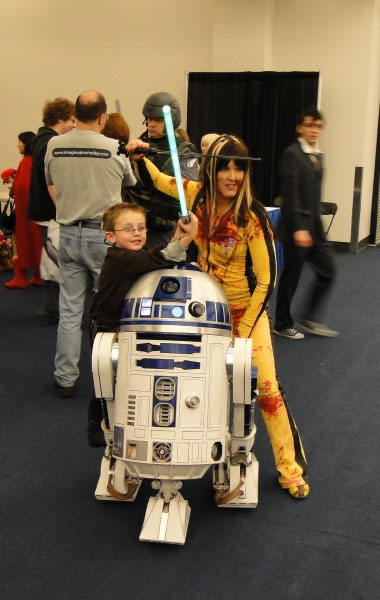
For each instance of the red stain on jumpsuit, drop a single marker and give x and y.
(266, 386)
(270, 404)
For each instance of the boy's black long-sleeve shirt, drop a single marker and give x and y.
(120, 270)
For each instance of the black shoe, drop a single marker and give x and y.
(62, 391)
(290, 333)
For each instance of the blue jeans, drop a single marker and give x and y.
(81, 254)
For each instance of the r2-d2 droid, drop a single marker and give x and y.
(166, 381)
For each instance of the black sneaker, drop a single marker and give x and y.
(318, 328)
(290, 333)
(62, 391)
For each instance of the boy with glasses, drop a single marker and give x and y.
(127, 259)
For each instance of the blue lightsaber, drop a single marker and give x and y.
(177, 169)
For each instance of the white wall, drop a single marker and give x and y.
(125, 49)
(242, 35)
(130, 49)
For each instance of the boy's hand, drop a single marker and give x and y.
(177, 234)
(133, 146)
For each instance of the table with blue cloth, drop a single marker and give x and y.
(274, 214)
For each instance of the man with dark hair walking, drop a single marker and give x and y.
(84, 174)
(301, 230)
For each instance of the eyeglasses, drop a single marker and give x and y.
(130, 230)
(313, 125)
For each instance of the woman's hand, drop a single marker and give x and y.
(133, 146)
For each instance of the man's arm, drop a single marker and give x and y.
(49, 181)
(52, 193)
(129, 178)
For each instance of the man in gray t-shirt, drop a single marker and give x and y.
(84, 175)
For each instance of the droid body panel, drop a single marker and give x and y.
(167, 417)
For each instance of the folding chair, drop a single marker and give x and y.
(329, 208)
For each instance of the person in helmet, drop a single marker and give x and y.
(162, 210)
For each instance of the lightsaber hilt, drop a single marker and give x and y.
(184, 213)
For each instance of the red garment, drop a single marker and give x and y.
(28, 235)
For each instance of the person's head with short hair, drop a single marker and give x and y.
(59, 114)
(117, 128)
(310, 125)
(25, 142)
(125, 226)
(91, 109)
(207, 140)
(213, 170)
(152, 111)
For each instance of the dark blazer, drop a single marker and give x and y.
(300, 189)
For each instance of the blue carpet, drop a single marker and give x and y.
(59, 543)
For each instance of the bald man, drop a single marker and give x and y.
(84, 175)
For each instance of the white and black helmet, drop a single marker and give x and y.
(152, 108)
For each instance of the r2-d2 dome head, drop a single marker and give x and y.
(182, 298)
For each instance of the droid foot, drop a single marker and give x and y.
(105, 490)
(166, 522)
(239, 489)
(299, 491)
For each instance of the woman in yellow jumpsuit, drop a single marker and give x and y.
(235, 246)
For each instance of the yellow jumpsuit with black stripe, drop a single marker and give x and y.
(229, 254)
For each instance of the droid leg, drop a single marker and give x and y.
(114, 482)
(104, 365)
(167, 515)
(236, 481)
(237, 484)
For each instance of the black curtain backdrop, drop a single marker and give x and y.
(261, 108)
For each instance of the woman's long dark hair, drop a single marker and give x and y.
(245, 200)
(27, 138)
